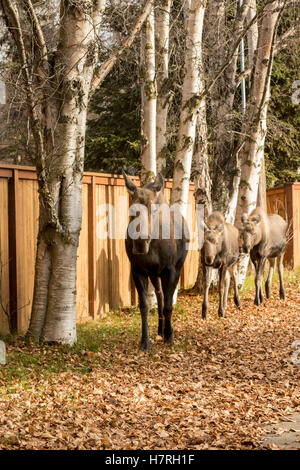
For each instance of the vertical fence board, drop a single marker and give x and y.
(4, 256)
(27, 230)
(103, 270)
(82, 283)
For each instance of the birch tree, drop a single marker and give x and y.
(149, 98)
(251, 152)
(57, 89)
(162, 30)
(190, 103)
(254, 128)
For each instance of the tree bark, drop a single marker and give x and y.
(221, 43)
(190, 96)
(149, 98)
(254, 127)
(251, 148)
(202, 183)
(162, 26)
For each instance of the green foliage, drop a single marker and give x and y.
(113, 131)
(282, 148)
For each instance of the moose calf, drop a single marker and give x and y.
(264, 237)
(221, 251)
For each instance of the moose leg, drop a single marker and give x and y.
(235, 287)
(207, 275)
(258, 281)
(141, 284)
(280, 273)
(169, 280)
(160, 302)
(222, 277)
(268, 283)
(226, 290)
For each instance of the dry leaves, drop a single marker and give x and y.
(215, 388)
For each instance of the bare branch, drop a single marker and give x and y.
(107, 66)
(283, 41)
(38, 33)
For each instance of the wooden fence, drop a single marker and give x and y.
(285, 201)
(103, 274)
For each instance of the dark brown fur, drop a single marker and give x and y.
(159, 259)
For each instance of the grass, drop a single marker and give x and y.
(288, 276)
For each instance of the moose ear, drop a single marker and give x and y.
(244, 218)
(129, 184)
(158, 183)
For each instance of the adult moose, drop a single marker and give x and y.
(220, 251)
(264, 236)
(158, 256)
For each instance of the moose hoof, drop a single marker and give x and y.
(221, 314)
(145, 346)
(168, 338)
(282, 295)
(204, 315)
(257, 302)
(237, 302)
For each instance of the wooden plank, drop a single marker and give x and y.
(26, 253)
(92, 245)
(4, 255)
(13, 237)
(82, 279)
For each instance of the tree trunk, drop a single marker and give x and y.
(252, 34)
(202, 183)
(251, 150)
(188, 114)
(255, 127)
(162, 26)
(220, 42)
(149, 97)
(54, 303)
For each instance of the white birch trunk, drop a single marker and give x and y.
(251, 153)
(188, 114)
(252, 34)
(162, 27)
(149, 98)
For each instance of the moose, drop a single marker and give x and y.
(264, 236)
(220, 251)
(158, 257)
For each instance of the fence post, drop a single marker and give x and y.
(13, 245)
(92, 245)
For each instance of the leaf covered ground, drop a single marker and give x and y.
(216, 388)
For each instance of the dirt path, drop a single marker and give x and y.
(284, 435)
